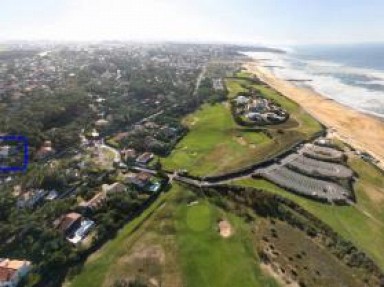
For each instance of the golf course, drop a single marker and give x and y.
(187, 239)
(176, 243)
(216, 144)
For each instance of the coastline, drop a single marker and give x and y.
(363, 131)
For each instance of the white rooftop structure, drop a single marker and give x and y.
(241, 100)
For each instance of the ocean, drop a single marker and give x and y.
(350, 74)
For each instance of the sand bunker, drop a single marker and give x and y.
(225, 228)
(193, 121)
(241, 141)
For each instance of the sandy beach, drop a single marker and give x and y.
(362, 131)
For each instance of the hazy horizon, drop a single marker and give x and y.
(276, 22)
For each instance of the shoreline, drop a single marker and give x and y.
(363, 131)
(346, 106)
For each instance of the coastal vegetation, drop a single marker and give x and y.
(276, 207)
(306, 263)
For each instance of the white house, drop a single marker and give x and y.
(12, 271)
(241, 100)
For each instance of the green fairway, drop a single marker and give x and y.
(216, 144)
(207, 259)
(362, 224)
(244, 74)
(199, 218)
(235, 86)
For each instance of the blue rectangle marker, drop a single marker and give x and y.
(24, 143)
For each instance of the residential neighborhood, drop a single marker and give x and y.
(85, 141)
(170, 143)
(119, 132)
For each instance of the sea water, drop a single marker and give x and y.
(350, 74)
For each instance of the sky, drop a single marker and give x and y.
(268, 22)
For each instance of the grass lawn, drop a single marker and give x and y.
(362, 224)
(207, 259)
(244, 74)
(216, 144)
(369, 188)
(235, 86)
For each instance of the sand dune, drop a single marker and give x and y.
(360, 130)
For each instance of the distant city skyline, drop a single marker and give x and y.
(268, 22)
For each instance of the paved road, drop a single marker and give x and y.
(199, 79)
(204, 183)
(148, 118)
(198, 183)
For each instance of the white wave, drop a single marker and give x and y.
(359, 98)
(372, 82)
(324, 80)
(332, 67)
(323, 63)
